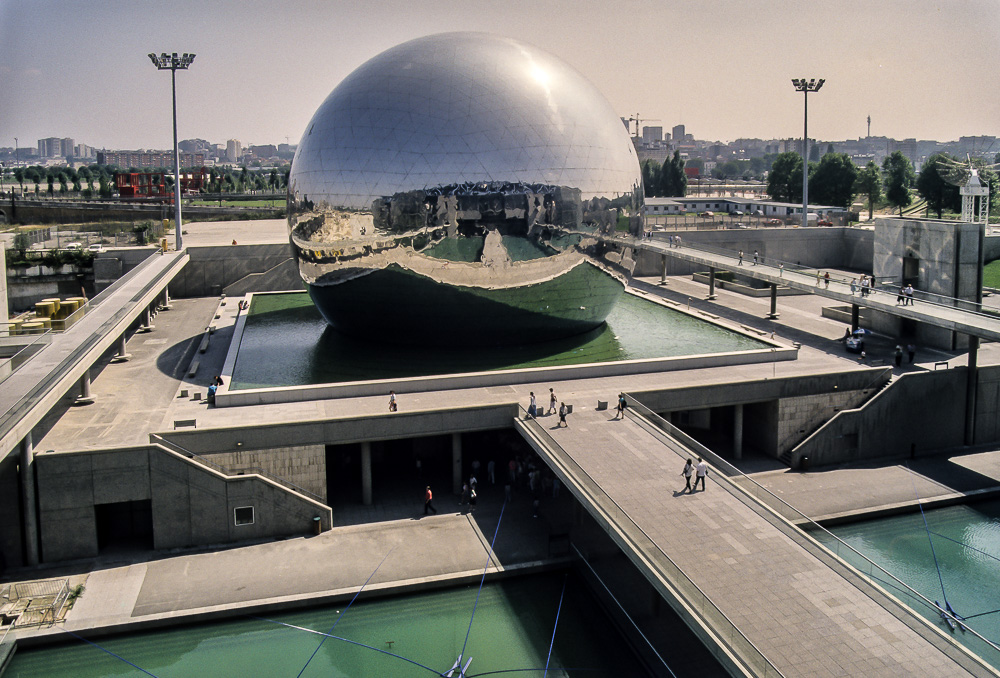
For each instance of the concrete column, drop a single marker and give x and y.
(738, 431)
(123, 354)
(971, 382)
(166, 299)
(855, 317)
(663, 270)
(366, 474)
(28, 516)
(773, 315)
(85, 398)
(456, 463)
(711, 283)
(147, 321)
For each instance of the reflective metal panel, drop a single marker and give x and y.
(467, 170)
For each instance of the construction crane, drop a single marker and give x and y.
(636, 119)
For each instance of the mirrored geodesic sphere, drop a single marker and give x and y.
(465, 186)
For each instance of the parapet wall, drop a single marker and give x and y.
(825, 247)
(917, 413)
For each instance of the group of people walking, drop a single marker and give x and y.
(865, 285)
(699, 471)
(905, 296)
(534, 411)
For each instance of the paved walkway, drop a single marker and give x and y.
(939, 315)
(807, 619)
(27, 395)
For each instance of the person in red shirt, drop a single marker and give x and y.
(428, 498)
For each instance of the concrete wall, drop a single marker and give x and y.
(212, 269)
(191, 504)
(920, 411)
(798, 417)
(10, 514)
(947, 253)
(112, 264)
(833, 247)
(303, 466)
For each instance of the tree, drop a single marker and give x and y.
(675, 179)
(898, 176)
(832, 182)
(784, 181)
(650, 178)
(938, 193)
(19, 176)
(869, 182)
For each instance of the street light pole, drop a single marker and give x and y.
(806, 86)
(172, 62)
(17, 165)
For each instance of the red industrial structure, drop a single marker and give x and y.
(141, 185)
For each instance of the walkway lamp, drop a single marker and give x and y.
(806, 86)
(173, 63)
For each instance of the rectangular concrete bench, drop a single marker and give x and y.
(204, 341)
(193, 370)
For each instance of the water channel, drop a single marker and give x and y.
(512, 630)
(963, 541)
(287, 343)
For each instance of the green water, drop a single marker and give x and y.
(287, 343)
(966, 542)
(512, 629)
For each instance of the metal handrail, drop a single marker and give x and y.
(180, 449)
(733, 472)
(14, 414)
(882, 284)
(701, 602)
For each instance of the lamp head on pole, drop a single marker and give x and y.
(171, 62)
(803, 85)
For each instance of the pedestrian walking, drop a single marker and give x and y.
(826, 280)
(562, 415)
(464, 498)
(532, 407)
(620, 410)
(740, 259)
(781, 270)
(473, 497)
(392, 401)
(677, 240)
(491, 468)
(429, 501)
(854, 286)
(670, 241)
(901, 296)
(908, 291)
(686, 472)
(899, 355)
(911, 351)
(700, 473)
(552, 401)
(865, 286)
(819, 278)
(756, 256)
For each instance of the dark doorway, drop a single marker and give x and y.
(126, 525)
(911, 271)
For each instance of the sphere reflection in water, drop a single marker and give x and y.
(465, 187)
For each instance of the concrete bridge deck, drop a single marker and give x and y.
(802, 610)
(939, 314)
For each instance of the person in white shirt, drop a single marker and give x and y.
(700, 471)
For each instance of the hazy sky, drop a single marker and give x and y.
(923, 69)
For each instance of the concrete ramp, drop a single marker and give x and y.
(283, 276)
(763, 596)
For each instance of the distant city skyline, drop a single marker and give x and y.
(80, 70)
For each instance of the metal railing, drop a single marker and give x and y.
(37, 602)
(250, 470)
(724, 629)
(883, 286)
(865, 566)
(17, 411)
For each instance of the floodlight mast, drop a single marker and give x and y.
(806, 86)
(172, 62)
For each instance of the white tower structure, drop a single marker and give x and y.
(973, 189)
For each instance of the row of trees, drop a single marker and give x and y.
(836, 180)
(664, 181)
(98, 179)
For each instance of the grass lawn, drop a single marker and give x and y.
(991, 274)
